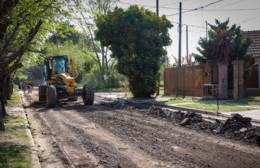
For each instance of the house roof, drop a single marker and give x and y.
(254, 48)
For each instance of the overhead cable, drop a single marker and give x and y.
(195, 9)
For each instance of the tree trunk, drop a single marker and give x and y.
(2, 109)
(3, 96)
(8, 88)
(2, 127)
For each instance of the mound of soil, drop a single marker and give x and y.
(236, 127)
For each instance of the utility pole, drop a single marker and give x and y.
(206, 31)
(157, 7)
(180, 25)
(187, 41)
(157, 13)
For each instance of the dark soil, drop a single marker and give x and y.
(126, 134)
(236, 127)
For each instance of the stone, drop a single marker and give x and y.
(242, 130)
(184, 121)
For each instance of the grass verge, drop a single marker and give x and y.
(178, 100)
(255, 101)
(14, 101)
(15, 147)
(211, 105)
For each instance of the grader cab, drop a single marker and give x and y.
(60, 82)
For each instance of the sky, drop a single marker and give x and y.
(245, 13)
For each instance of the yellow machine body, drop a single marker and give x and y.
(63, 79)
(60, 82)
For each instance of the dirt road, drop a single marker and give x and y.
(103, 135)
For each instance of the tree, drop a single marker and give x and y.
(85, 11)
(136, 38)
(23, 25)
(224, 45)
(67, 40)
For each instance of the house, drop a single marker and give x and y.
(254, 50)
(198, 80)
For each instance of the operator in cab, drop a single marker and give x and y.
(59, 65)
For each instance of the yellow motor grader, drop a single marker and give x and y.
(60, 83)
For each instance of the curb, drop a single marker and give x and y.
(34, 153)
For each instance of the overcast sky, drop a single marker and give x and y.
(245, 13)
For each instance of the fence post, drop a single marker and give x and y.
(222, 80)
(238, 79)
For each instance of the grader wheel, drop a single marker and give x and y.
(88, 94)
(51, 96)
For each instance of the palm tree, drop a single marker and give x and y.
(225, 44)
(222, 40)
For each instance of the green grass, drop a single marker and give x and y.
(254, 100)
(213, 107)
(178, 100)
(15, 147)
(161, 91)
(15, 100)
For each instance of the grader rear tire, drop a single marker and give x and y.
(51, 96)
(88, 94)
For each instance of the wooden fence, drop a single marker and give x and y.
(185, 81)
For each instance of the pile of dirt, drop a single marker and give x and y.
(183, 118)
(237, 127)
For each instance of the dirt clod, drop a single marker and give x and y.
(184, 121)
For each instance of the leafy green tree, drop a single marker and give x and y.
(84, 13)
(136, 38)
(64, 32)
(67, 40)
(24, 23)
(225, 44)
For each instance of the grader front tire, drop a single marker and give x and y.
(51, 96)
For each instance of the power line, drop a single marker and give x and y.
(148, 6)
(165, 6)
(189, 25)
(230, 10)
(232, 3)
(195, 9)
